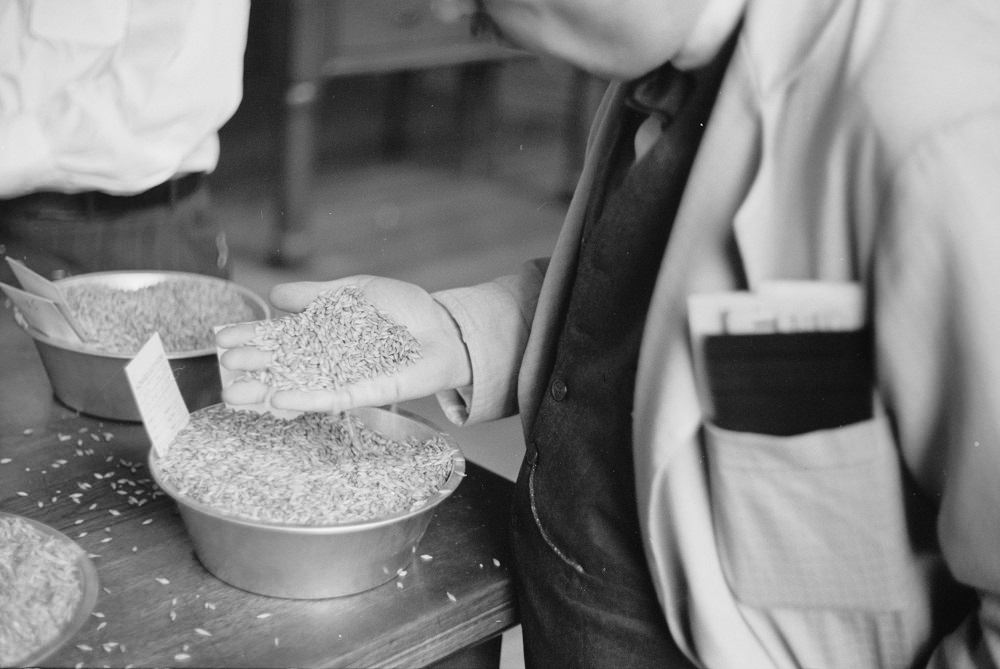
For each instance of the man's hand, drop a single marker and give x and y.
(444, 361)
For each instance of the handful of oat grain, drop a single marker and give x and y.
(338, 339)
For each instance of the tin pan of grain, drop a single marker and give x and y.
(70, 621)
(87, 377)
(297, 561)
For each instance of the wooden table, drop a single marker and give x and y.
(156, 601)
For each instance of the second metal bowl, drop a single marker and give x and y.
(93, 382)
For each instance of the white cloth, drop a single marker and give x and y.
(115, 95)
(852, 140)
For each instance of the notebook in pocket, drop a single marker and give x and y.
(789, 383)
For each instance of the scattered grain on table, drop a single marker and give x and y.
(339, 338)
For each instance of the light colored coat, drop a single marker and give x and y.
(853, 140)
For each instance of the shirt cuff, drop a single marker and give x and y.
(495, 343)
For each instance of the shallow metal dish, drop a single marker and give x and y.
(94, 382)
(88, 598)
(315, 561)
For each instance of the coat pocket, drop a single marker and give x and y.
(814, 520)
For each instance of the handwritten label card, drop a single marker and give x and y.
(161, 406)
(42, 314)
(37, 284)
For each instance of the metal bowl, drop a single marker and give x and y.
(93, 382)
(315, 561)
(88, 597)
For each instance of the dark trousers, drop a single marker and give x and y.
(573, 616)
(60, 237)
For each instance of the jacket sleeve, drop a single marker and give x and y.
(937, 315)
(495, 320)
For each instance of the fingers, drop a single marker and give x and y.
(246, 358)
(234, 335)
(373, 392)
(450, 11)
(308, 400)
(245, 392)
(294, 297)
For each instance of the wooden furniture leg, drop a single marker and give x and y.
(477, 115)
(301, 67)
(297, 161)
(399, 92)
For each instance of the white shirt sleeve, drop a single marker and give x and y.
(112, 95)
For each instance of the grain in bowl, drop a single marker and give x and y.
(183, 309)
(294, 508)
(47, 589)
(119, 310)
(306, 470)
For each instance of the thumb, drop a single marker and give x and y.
(293, 297)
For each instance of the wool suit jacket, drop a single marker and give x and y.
(852, 141)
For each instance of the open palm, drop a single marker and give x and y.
(443, 363)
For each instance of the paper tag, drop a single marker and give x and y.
(157, 395)
(775, 307)
(35, 283)
(778, 306)
(42, 314)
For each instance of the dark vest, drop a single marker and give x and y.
(581, 440)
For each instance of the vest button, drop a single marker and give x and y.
(558, 390)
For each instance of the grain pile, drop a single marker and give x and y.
(301, 471)
(339, 338)
(40, 588)
(184, 312)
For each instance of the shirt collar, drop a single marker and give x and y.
(716, 23)
(661, 93)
